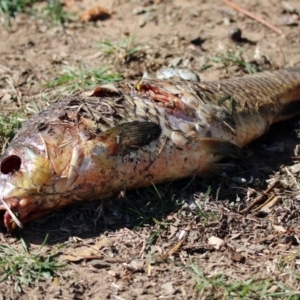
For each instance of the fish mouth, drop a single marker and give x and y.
(10, 216)
(24, 171)
(13, 216)
(7, 222)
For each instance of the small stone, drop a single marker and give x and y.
(288, 21)
(168, 288)
(138, 10)
(295, 168)
(182, 235)
(226, 21)
(289, 239)
(175, 62)
(137, 264)
(6, 98)
(99, 264)
(288, 7)
(112, 273)
(235, 34)
(142, 22)
(297, 150)
(216, 242)
(284, 183)
(148, 76)
(188, 75)
(177, 73)
(239, 179)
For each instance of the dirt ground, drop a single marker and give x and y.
(182, 240)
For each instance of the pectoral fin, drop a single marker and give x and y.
(220, 147)
(129, 136)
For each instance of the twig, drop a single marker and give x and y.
(252, 16)
(293, 177)
(260, 198)
(269, 203)
(13, 216)
(282, 58)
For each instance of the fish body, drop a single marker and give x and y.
(92, 145)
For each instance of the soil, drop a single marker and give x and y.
(176, 240)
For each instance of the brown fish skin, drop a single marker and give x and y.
(92, 145)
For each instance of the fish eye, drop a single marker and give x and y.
(10, 164)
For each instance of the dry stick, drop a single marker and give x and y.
(252, 16)
(260, 198)
(293, 177)
(271, 201)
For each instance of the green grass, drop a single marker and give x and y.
(26, 268)
(51, 10)
(154, 203)
(83, 77)
(221, 287)
(207, 215)
(154, 235)
(9, 125)
(235, 58)
(122, 50)
(54, 13)
(11, 7)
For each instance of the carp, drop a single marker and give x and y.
(91, 145)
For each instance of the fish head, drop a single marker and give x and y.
(25, 175)
(44, 170)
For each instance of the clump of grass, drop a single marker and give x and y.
(53, 11)
(25, 268)
(83, 77)
(155, 202)
(235, 58)
(154, 235)
(9, 125)
(202, 211)
(123, 50)
(220, 287)
(11, 7)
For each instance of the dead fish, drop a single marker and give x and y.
(92, 145)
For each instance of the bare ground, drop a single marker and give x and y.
(183, 240)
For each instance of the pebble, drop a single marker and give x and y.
(288, 21)
(235, 34)
(175, 62)
(288, 7)
(295, 168)
(137, 264)
(239, 179)
(138, 10)
(142, 22)
(99, 264)
(182, 235)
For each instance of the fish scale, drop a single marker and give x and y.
(92, 145)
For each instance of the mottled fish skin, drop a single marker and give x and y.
(92, 145)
